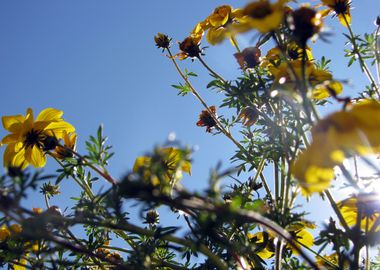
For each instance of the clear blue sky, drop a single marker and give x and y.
(96, 61)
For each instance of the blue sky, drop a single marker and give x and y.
(96, 61)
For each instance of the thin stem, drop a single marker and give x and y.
(337, 211)
(83, 185)
(377, 53)
(278, 254)
(47, 201)
(362, 63)
(210, 69)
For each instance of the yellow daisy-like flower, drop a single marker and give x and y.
(262, 16)
(341, 8)
(367, 205)
(265, 245)
(168, 166)
(219, 24)
(356, 131)
(29, 138)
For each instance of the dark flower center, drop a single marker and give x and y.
(341, 7)
(34, 137)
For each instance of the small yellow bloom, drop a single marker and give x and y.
(356, 131)
(29, 138)
(341, 8)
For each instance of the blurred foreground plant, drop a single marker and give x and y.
(257, 222)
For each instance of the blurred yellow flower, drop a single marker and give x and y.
(339, 135)
(321, 82)
(264, 243)
(169, 164)
(29, 138)
(366, 204)
(262, 16)
(341, 8)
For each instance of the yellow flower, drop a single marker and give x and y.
(293, 52)
(167, 163)
(30, 138)
(220, 23)
(341, 8)
(367, 205)
(262, 16)
(341, 134)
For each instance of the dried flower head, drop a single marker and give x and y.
(206, 119)
(162, 41)
(190, 47)
(249, 116)
(152, 217)
(249, 57)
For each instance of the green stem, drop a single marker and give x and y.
(83, 185)
(362, 63)
(337, 211)
(210, 69)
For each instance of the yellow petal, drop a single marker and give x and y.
(216, 35)
(59, 128)
(10, 138)
(14, 156)
(35, 156)
(29, 119)
(50, 114)
(13, 123)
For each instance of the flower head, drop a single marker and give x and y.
(305, 22)
(341, 8)
(220, 23)
(207, 120)
(341, 134)
(249, 57)
(162, 41)
(29, 138)
(190, 47)
(165, 164)
(262, 16)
